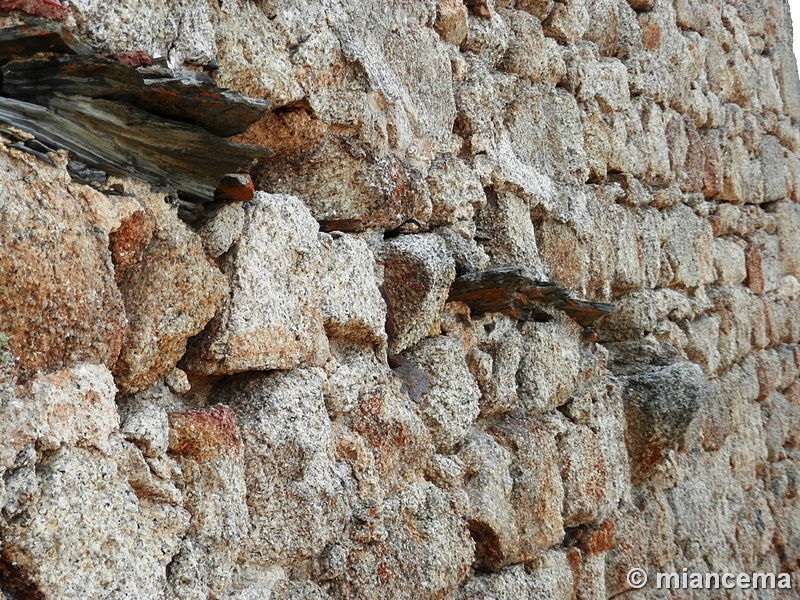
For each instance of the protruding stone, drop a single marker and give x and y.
(294, 493)
(170, 292)
(660, 404)
(235, 187)
(189, 98)
(40, 8)
(451, 405)
(59, 305)
(272, 320)
(418, 272)
(36, 35)
(518, 293)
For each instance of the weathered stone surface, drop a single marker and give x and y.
(207, 444)
(170, 293)
(659, 406)
(222, 230)
(294, 491)
(426, 553)
(352, 306)
(548, 349)
(490, 515)
(585, 476)
(417, 276)
(537, 493)
(85, 532)
(553, 579)
(59, 305)
(74, 407)
(451, 405)
(272, 320)
(635, 153)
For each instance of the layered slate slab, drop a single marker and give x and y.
(517, 292)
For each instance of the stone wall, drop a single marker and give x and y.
(276, 399)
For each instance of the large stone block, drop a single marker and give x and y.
(83, 532)
(490, 515)
(550, 369)
(59, 304)
(207, 445)
(451, 405)
(351, 304)
(170, 290)
(75, 407)
(660, 404)
(537, 495)
(272, 319)
(418, 272)
(294, 494)
(426, 551)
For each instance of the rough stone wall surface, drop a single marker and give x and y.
(251, 407)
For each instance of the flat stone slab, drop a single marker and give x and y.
(517, 292)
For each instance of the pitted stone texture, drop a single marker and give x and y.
(660, 404)
(207, 445)
(537, 495)
(456, 192)
(451, 405)
(75, 407)
(586, 477)
(644, 534)
(551, 365)
(426, 553)
(490, 515)
(222, 230)
(85, 534)
(494, 364)
(418, 272)
(272, 320)
(170, 292)
(351, 302)
(294, 493)
(58, 302)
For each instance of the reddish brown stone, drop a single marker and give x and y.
(136, 59)
(129, 240)
(204, 433)
(755, 273)
(235, 187)
(41, 8)
(651, 36)
(694, 167)
(594, 540)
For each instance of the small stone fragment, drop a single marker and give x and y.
(177, 381)
(235, 187)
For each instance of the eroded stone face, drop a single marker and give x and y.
(59, 305)
(272, 319)
(417, 273)
(170, 290)
(294, 492)
(79, 509)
